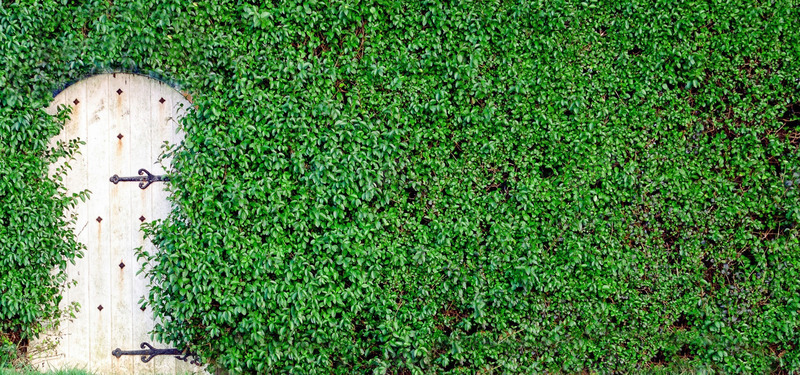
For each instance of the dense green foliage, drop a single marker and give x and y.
(35, 239)
(446, 188)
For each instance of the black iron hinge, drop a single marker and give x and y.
(148, 352)
(146, 178)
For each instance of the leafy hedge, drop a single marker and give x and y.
(446, 188)
(35, 237)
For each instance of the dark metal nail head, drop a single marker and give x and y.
(100, 307)
(119, 91)
(76, 101)
(119, 136)
(121, 265)
(141, 218)
(162, 100)
(99, 219)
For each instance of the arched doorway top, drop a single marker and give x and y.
(152, 75)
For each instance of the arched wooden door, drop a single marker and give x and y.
(124, 120)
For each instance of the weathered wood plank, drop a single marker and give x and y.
(161, 130)
(99, 243)
(49, 349)
(75, 348)
(120, 96)
(141, 142)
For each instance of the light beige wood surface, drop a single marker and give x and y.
(141, 202)
(108, 106)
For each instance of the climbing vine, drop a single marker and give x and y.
(431, 187)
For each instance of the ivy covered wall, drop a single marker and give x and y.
(433, 187)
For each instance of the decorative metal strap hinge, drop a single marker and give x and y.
(149, 352)
(145, 181)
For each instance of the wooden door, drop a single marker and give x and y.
(124, 120)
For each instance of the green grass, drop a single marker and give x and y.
(33, 372)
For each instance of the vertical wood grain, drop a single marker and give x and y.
(98, 144)
(121, 215)
(161, 131)
(52, 346)
(79, 181)
(141, 139)
(77, 329)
